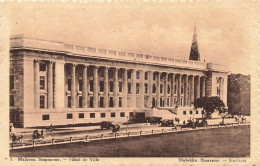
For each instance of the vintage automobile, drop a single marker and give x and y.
(37, 135)
(189, 124)
(109, 125)
(167, 123)
(154, 120)
(201, 123)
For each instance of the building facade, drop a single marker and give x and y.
(57, 83)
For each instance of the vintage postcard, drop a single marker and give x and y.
(137, 82)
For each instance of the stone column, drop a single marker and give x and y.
(50, 85)
(73, 86)
(133, 88)
(36, 84)
(125, 90)
(172, 89)
(158, 90)
(198, 88)
(141, 89)
(115, 90)
(150, 89)
(106, 87)
(59, 85)
(203, 87)
(192, 90)
(179, 91)
(85, 87)
(95, 87)
(186, 83)
(165, 94)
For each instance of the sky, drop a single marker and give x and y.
(226, 30)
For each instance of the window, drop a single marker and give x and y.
(46, 117)
(154, 88)
(129, 74)
(146, 88)
(92, 115)
(146, 75)
(42, 82)
(80, 102)
(11, 100)
(168, 101)
(91, 102)
(113, 114)
(197, 112)
(154, 76)
(175, 89)
(120, 101)
(101, 86)
(101, 102)
(111, 86)
(102, 115)
(122, 114)
(80, 85)
(184, 112)
(131, 114)
(120, 73)
(182, 89)
(161, 102)
(169, 89)
(42, 102)
(81, 115)
(69, 101)
(69, 116)
(69, 84)
(153, 102)
(42, 67)
(129, 87)
(137, 88)
(137, 74)
(11, 82)
(111, 103)
(120, 86)
(161, 88)
(91, 86)
(191, 112)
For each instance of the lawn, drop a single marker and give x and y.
(218, 142)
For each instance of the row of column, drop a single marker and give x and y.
(188, 85)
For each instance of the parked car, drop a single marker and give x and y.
(201, 123)
(154, 120)
(109, 125)
(167, 123)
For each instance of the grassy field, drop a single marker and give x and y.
(219, 142)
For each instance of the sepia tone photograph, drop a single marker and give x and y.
(90, 81)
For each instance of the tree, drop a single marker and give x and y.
(209, 105)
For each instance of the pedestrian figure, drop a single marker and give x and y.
(184, 123)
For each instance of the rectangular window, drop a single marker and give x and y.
(137, 88)
(153, 102)
(120, 73)
(81, 115)
(69, 84)
(46, 117)
(182, 89)
(101, 102)
(101, 86)
(120, 101)
(42, 102)
(168, 102)
(146, 75)
(161, 88)
(91, 87)
(113, 114)
(69, 101)
(129, 87)
(80, 85)
(161, 102)
(69, 116)
(80, 102)
(111, 103)
(191, 112)
(120, 86)
(184, 112)
(111, 86)
(154, 76)
(42, 67)
(92, 115)
(122, 114)
(91, 102)
(175, 89)
(154, 88)
(137, 74)
(42, 82)
(169, 89)
(11, 82)
(131, 114)
(146, 88)
(129, 74)
(11, 100)
(197, 112)
(102, 115)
